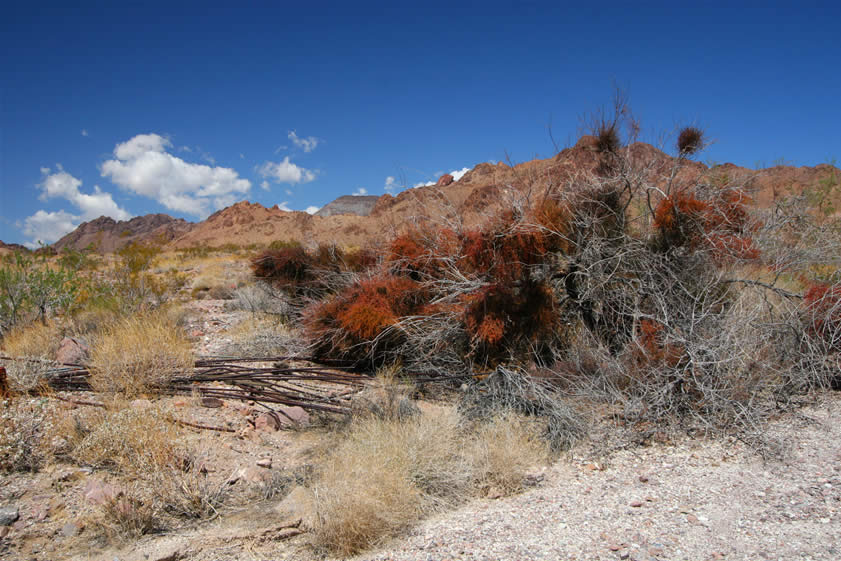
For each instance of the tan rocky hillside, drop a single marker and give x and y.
(106, 235)
(480, 193)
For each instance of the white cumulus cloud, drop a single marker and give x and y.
(93, 205)
(85, 132)
(307, 144)
(312, 209)
(458, 174)
(284, 206)
(48, 227)
(361, 191)
(390, 184)
(143, 166)
(286, 172)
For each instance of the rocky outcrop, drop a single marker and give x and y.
(106, 235)
(445, 180)
(359, 205)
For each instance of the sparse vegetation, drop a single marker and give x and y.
(137, 353)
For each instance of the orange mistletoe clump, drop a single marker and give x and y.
(823, 306)
(721, 225)
(554, 219)
(347, 324)
(652, 348)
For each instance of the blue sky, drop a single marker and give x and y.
(183, 107)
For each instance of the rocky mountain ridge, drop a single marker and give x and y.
(369, 220)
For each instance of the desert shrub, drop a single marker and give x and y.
(304, 275)
(130, 440)
(126, 516)
(31, 288)
(355, 323)
(259, 298)
(263, 335)
(505, 448)
(386, 397)
(35, 347)
(509, 391)
(138, 353)
(822, 308)
(23, 426)
(384, 475)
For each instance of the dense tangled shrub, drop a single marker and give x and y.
(822, 307)
(357, 323)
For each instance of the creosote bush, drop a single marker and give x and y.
(135, 354)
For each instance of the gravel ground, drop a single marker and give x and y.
(692, 501)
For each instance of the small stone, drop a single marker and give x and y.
(692, 519)
(494, 493)
(267, 422)
(4, 531)
(614, 547)
(71, 529)
(265, 463)
(717, 555)
(636, 504)
(643, 479)
(211, 402)
(9, 515)
(140, 404)
(98, 492)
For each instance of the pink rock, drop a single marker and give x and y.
(72, 351)
(140, 404)
(295, 414)
(267, 422)
(98, 492)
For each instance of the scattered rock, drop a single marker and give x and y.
(140, 404)
(267, 422)
(71, 529)
(265, 463)
(72, 351)
(212, 402)
(692, 519)
(494, 493)
(9, 515)
(636, 504)
(4, 531)
(283, 417)
(298, 504)
(296, 415)
(98, 492)
(643, 479)
(251, 475)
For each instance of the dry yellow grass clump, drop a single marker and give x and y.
(386, 473)
(37, 341)
(135, 354)
(132, 440)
